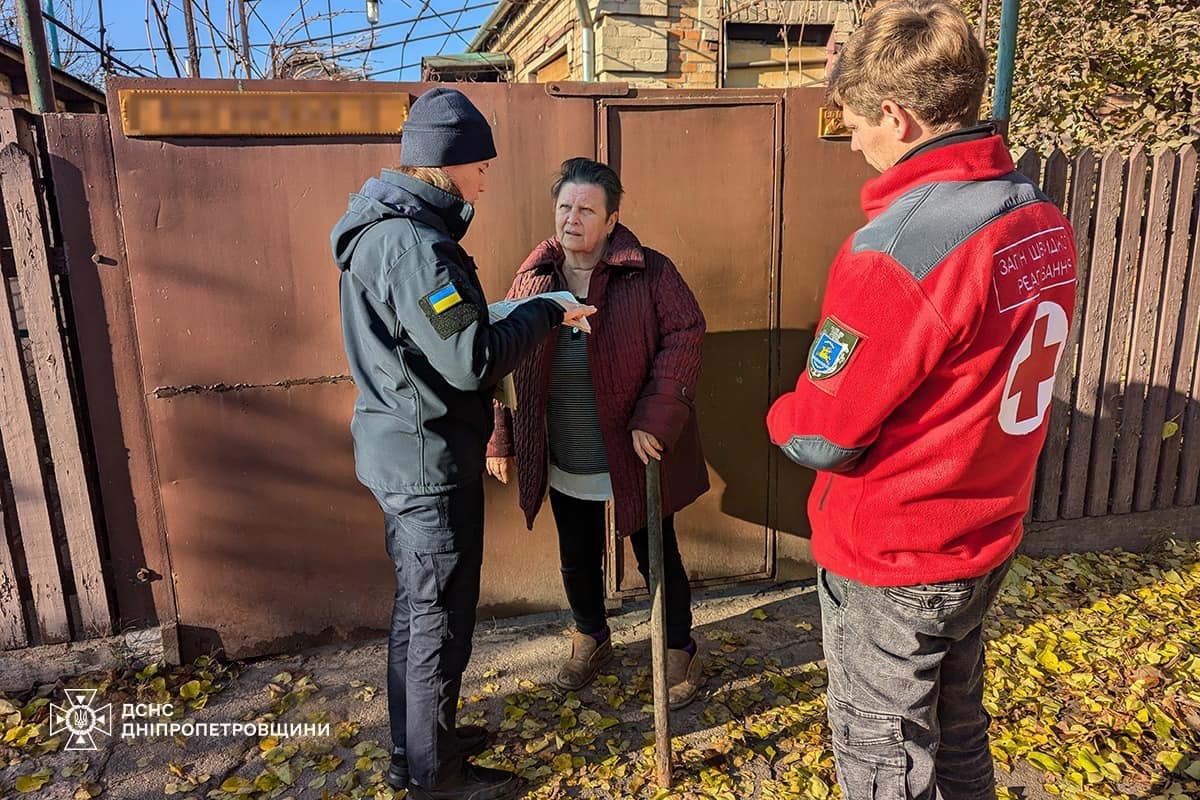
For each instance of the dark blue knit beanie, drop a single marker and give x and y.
(443, 129)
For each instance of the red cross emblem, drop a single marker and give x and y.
(1030, 385)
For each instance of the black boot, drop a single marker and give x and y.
(472, 740)
(474, 783)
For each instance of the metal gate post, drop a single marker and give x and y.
(1005, 61)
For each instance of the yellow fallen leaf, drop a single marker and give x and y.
(33, 782)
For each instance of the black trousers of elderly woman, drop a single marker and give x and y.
(581, 534)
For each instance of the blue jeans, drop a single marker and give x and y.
(905, 696)
(436, 544)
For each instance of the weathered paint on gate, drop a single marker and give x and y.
(270, 539)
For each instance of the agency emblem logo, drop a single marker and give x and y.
(80, 720)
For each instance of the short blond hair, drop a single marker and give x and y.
(434, 176)
(920, 54)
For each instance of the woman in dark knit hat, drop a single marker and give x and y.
(426, 360)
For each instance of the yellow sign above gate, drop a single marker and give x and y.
(166, 112)
(830, 124)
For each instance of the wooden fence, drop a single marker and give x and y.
(1125, 426)
(52, 585)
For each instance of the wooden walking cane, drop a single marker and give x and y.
(658, 625)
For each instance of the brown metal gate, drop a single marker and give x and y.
(230, 359)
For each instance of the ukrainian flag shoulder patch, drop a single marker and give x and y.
(448, 312)
(444, 299)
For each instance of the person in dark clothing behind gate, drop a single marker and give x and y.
(593, 410)
(924, 405)
(426, 360)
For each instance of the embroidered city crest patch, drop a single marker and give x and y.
(831, 350)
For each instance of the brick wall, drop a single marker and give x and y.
(658, 43)
(652, 43)
(536, 33)
(648, 43)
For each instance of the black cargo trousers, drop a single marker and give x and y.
(436, 544)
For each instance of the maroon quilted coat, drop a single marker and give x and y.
(645, 353)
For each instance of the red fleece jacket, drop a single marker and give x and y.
(926, 395)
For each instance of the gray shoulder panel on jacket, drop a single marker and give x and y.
(924, 225)
(817, 452)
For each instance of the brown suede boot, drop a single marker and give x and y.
(587, 656)
(684, 677)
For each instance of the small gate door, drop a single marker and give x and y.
(723, 234)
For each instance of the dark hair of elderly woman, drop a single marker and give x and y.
(592, 409)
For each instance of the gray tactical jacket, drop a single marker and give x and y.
(421, 349)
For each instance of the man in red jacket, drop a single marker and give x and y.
(923, 405)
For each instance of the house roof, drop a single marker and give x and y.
(491, 24)
(68, 89)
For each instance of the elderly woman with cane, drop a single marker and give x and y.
(592, 410)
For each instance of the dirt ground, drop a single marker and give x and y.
(741, 632)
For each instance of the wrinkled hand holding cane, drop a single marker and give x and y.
(647, 446)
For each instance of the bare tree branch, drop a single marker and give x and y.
(165, 32)
(150, 39)
(212, 35)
